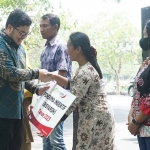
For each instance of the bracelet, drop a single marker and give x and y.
(135, 121)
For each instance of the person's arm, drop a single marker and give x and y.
(143, 114)
(61, 60)
(79, 88)
(141, 117)
(130, 115)
(34, 88)
(13, 74)
(59, 79)
(132, 127)
(62, 73)
(31, 86)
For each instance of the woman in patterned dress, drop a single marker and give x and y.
(139, 115)
(94, 124)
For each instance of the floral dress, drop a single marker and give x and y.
(93, 118)
(141, 99)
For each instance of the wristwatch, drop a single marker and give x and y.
(135, 121)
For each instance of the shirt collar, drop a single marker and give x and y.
(8, 40)
(53, 41)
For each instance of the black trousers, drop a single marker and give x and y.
(10, 134)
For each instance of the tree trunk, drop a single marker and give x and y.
(117, 84)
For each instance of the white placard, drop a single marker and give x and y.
(50, 108)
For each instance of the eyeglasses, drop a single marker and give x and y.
(22, 34)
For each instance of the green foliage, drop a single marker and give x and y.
(114, 36)
(12, 3)
(36, 9)
(116, 40)
(120, 43)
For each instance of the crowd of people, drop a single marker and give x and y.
(93, 120)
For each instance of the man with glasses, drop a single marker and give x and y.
(54, 58)
(22, 33)
(13, 78)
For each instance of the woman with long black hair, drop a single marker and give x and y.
(93, 119)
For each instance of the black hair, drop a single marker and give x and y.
(53, 19)
(18, 18)
(82, 40)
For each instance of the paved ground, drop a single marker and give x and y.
(124, 141)
(37, 145)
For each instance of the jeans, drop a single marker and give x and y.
(55, 140)
(144, 143)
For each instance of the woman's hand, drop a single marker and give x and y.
(51, 75)
(133, 129)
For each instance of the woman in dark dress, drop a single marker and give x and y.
(139, 115)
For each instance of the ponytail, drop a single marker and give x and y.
(91, 56)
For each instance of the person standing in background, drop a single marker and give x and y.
(54, 58)
(139, 114)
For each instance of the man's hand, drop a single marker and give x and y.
(42, 89)
(43, 75)
(40, 134)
